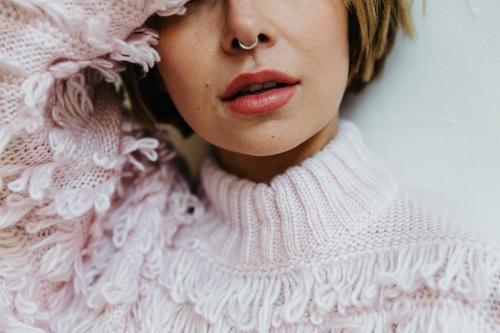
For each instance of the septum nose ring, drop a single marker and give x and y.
(243, 46)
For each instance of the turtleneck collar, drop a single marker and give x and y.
(302, 212)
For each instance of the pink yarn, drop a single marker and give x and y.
(77, 180)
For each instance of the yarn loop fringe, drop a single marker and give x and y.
(311, 295)
(64, 90)
(38, 88)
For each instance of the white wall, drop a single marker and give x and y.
(434, 114)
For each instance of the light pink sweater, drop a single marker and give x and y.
(99, 232)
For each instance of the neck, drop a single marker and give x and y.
(302, 213)
(264, 168)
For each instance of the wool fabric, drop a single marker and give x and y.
(334, 244)
(100, 231)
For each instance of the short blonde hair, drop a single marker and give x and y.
(373, 25)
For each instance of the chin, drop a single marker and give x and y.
(268, 148)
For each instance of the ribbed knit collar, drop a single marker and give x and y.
(300, 213)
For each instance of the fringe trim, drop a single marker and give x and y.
(22, 271)
(39, 87)
(125, 249)
(126, 252)
(71, 112)
(312, 294)
(160, 315)
(74, 106)
(15, 208)
(92, 273)
(137, 48)
(64, 81)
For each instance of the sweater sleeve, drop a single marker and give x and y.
(68, 158)
(54, 56)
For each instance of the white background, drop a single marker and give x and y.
(434, 114)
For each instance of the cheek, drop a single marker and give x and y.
(188, 76)
(326, 39)
(327, 52)
(185, 73)
(176, 68)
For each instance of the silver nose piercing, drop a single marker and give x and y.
(243, 46)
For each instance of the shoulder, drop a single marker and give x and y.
(412, 218)
(416, 231)
(421, 253)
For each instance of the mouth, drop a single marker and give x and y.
(257, 89)
(257, 83)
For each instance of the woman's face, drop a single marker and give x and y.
(305, 39)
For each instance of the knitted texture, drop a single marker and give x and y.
(332, 245)
(99, 232)
(77, 180)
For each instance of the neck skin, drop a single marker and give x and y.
(264, 168)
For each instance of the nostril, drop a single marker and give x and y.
(263, 38)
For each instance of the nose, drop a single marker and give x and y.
(246, 22)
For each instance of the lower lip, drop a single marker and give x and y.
(262, 103)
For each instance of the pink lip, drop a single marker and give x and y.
(260, 77)
(264, 102)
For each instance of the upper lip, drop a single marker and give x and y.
(260, 77)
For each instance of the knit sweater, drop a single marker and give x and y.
(99, 231)
(332, 245)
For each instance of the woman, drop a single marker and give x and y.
(295, 226)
